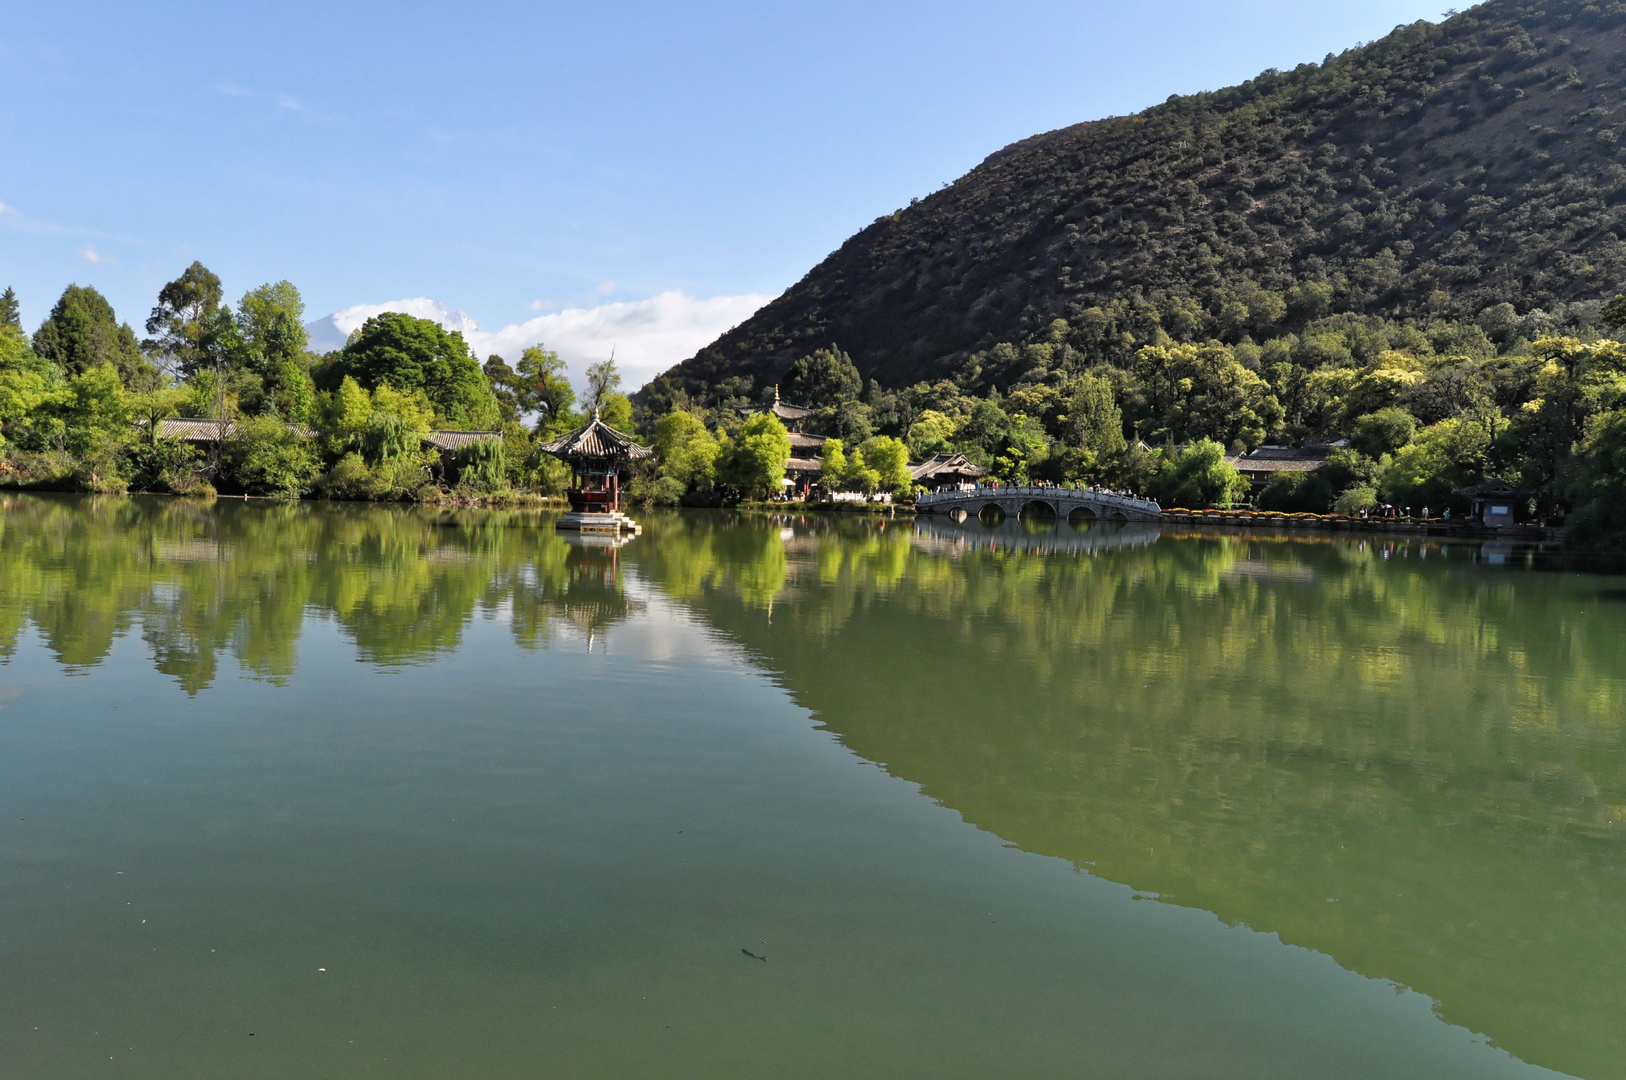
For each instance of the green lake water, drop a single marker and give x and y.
(333, 791)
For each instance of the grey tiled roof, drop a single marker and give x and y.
(456, 440)
(596, 439)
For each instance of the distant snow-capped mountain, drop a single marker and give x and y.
(331, 332)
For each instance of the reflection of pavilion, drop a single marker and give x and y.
(590, 596)
(597, 455)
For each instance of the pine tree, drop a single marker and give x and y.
(9, 313)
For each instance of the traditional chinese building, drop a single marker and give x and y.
(806, 465)
(947, 472)
(599, 458)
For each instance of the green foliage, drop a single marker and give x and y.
(417, 354)
(96, 410)
(265, 456)
(481, 467)
(603, 380)
(270, 320)
(1350, 187)
(687, 452)
(180, 323)
(1599, 486)
(10, 313)
(1383, 432)
(1297, 493)
(753, 463)
(82, 334)
(615, 409)
(1447, 455)
(1355, 499)
(1204, 392)
(835, 464)
(1199, 476)
(823, 379)
(1093, 421)
(537, 387)
(889, 459)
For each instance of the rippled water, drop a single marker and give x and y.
(329, 791)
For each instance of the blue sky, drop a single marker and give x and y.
(514, 160)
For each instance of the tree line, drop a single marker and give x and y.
(83, 401)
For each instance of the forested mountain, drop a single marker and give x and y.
(1461, 172)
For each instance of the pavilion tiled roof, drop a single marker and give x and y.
(195, 429)
(800, 441)
(456, 440)
(946, 464)
(1274, 459)
(806, 465)
(596, 439)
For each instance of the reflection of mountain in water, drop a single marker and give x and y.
(1415, 765)
(1407, 761)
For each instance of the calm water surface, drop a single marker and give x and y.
(339, 791)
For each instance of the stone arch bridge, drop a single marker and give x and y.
(1015, 502)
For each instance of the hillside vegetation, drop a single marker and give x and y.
(1409, 244)
(1442, 171)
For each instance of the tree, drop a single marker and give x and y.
(1598, 489)
(1204, 392)
(1199, 476)
(179, 324)
(603, 379)
(823, 379)
(890, 460)
(82, 334)
(754, 464)
(686, 450)
(418, 354)
(547, 391)
(835, 465)
(10, 314)
(1383, 432)
(270, 320)
(1450, 454)
(1094, 421)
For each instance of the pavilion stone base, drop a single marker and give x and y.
(585, 521)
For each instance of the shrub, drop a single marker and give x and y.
(267, 457)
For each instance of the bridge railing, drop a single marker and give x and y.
(1107, 498)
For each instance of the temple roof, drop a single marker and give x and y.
(799, 441)
(780, 409)
(456, 440)
(946, 465)
(596, 439)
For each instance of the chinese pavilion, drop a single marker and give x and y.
(598, 455)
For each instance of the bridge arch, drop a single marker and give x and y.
(991, 513)
(1037, 508)
(1083, 515)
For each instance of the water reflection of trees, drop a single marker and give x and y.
(1386, 753)
(203, 582)
(1413, 764)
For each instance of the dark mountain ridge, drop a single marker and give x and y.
(1440, 173)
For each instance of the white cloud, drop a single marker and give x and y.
(648, 336)
(91, 256)
(4, 210)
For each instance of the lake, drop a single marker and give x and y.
(329, 791)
